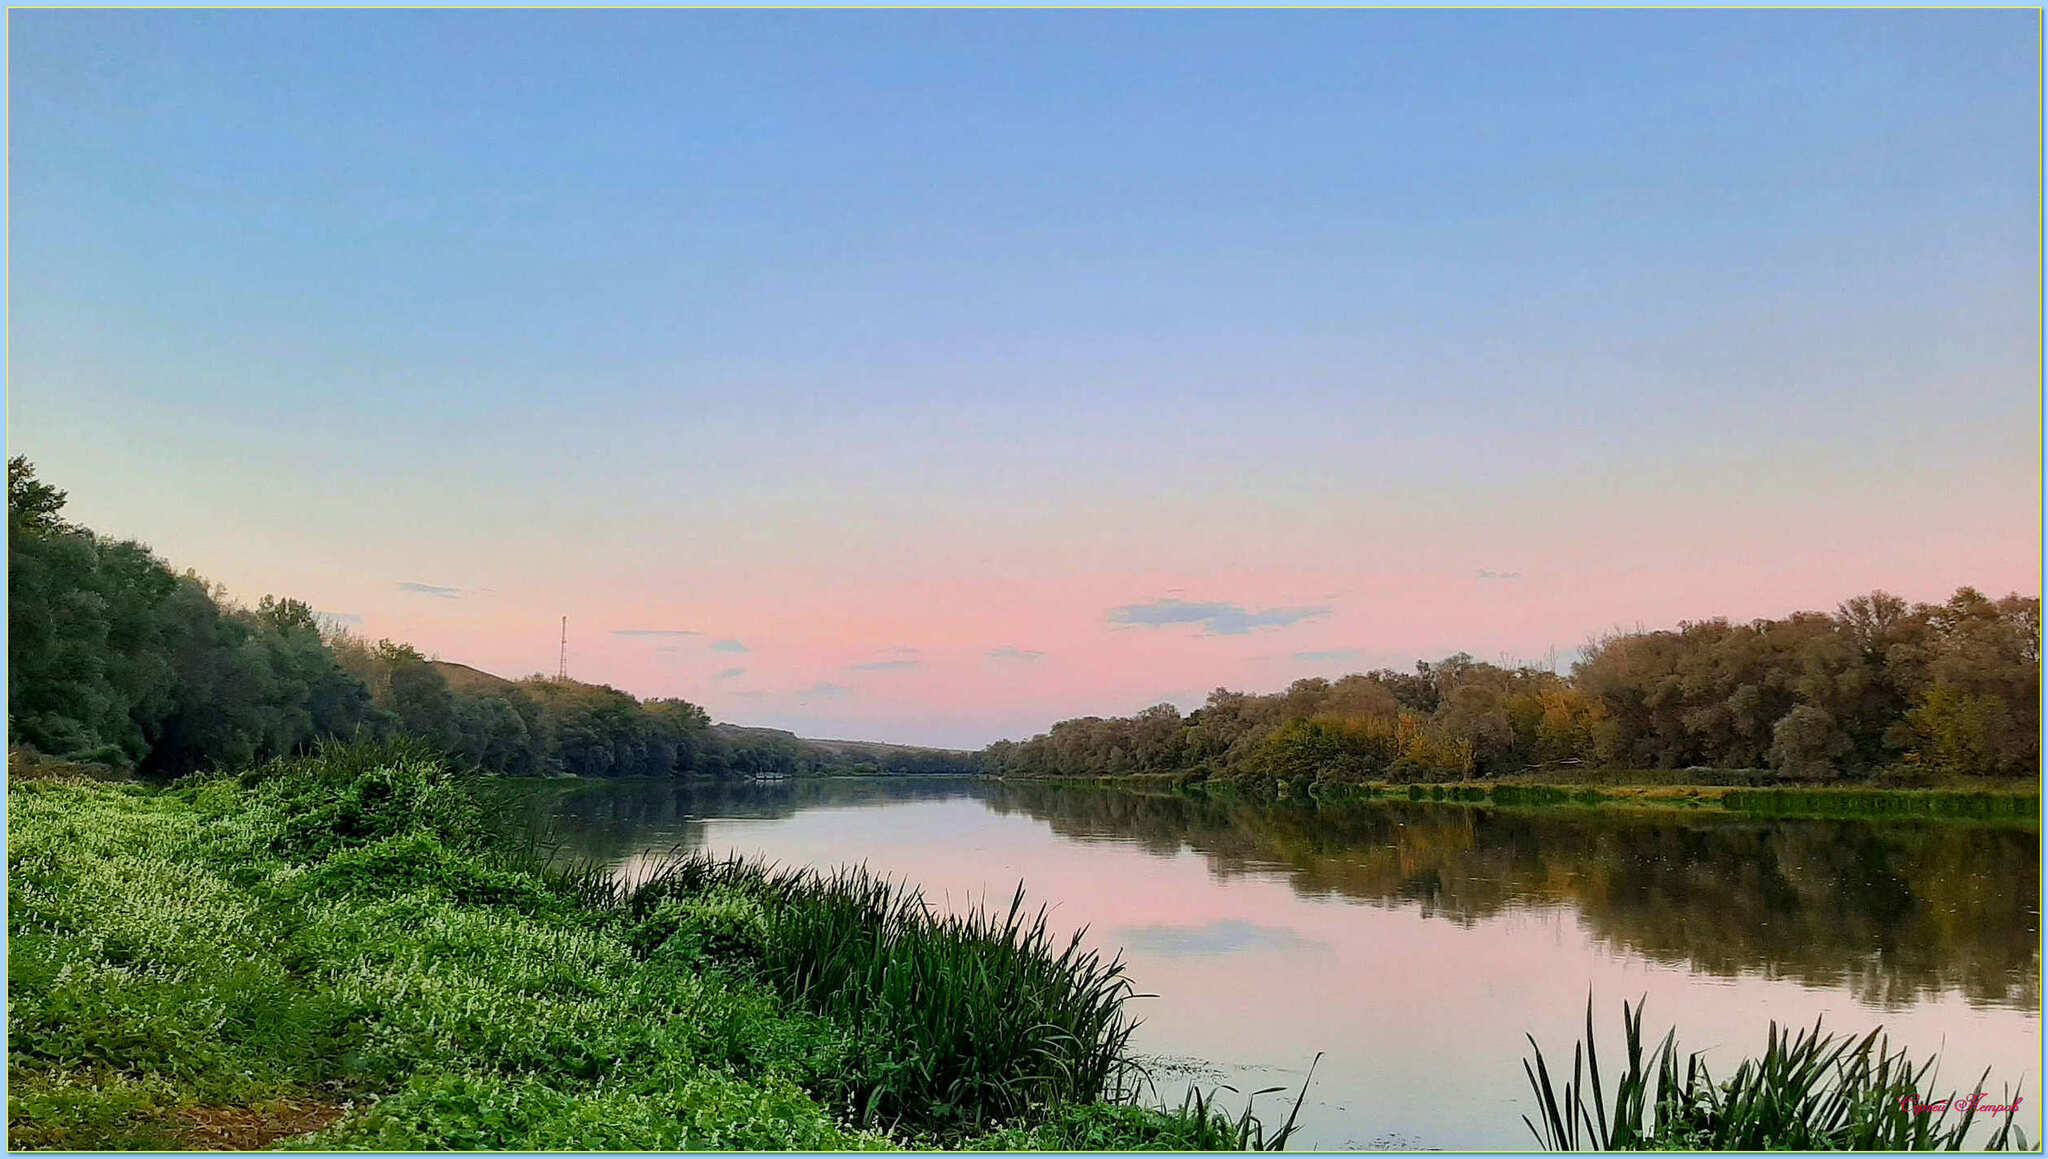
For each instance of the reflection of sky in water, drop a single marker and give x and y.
(1257, 963)
(1218, 937)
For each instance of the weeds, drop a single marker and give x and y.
(1809, 1091)
(1198, 1125)
(243, 956)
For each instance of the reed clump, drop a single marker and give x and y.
(960, 1020)
(1809, 1091)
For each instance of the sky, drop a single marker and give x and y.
(935, 376)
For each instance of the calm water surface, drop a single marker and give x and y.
(1413, 945)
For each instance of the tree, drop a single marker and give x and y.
(1952, 686)
(420, 697)
(32, 505)
(1806, 743)
(288, 614)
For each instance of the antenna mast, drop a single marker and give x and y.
(562, 668)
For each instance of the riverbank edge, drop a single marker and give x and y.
(2006, 803)
(105, 1074)
(1654, 790)
(2001, 803)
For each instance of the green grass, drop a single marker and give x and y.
(2001, 805)
(335, 952)
(1879, 803)
(1808, 1091)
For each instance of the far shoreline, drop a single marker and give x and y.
(2003, 802)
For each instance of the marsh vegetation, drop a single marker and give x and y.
(348, 941)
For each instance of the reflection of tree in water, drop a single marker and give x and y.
(610, 820)
(1890, 910)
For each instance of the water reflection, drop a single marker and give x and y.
(1415, 944)
(1889, 910)
(1223, 936)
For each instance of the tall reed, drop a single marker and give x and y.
(1808, 1091)
(961, 1020)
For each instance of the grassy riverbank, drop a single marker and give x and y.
(335, 952)
(1943, 804)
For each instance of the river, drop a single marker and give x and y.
(1413, 945)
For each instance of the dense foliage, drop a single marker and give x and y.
(115, 659)
(1926, 691)
(337, 944)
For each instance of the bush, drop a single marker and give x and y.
(355, 793)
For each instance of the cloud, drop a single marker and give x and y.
(823, 689)
(655, 633)
(1487, 574)
(1332, 654)
(420, 589)
(882, 665)
(730, 674)
(729, 646)
(1216, 619)
(1012, 652)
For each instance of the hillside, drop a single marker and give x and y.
(885, 757)
(820, 753)
(466, 680)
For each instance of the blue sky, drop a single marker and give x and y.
(830, 334)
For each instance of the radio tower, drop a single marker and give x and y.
(562, 668)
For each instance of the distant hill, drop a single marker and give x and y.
(469, 681)
(876, 748)
(853, 752)
(845, 754)
(753, 732)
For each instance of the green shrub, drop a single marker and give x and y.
(350, 794)
(716, 930)
(420, 861)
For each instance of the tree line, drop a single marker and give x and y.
(115, 659)
(1878, 689)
